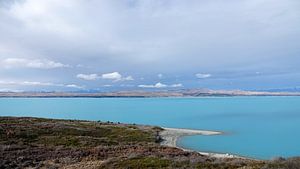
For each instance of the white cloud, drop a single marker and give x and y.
(160, 76)
(157, 85)
(128, 78)
(38, 64)
(127, 85)
(160, 85)
(10, 90)
(29, 83)
(203, 75)
(116, 76)
(74, 86)
(177, 85)
(36, 83)
(87, 76)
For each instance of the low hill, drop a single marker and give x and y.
(49, 143)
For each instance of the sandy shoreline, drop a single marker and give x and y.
(171, 136)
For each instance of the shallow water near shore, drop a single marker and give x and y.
(257, 127)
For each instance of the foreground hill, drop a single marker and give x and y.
(49, 143)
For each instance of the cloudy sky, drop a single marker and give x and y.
(149, 44)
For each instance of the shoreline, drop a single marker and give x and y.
(170, 138)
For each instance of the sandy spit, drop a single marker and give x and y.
(170, 137)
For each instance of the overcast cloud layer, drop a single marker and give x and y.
(142, 44)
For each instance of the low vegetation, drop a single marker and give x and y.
(49, 143)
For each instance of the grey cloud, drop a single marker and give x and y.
(148, 37)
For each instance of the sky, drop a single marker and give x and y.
(71, 45)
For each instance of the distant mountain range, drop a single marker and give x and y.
(292, 89)
(166, 93)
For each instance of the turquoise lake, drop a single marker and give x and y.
(258, 127)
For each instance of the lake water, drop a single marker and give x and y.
(259, 127)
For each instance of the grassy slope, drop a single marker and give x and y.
(36, 142)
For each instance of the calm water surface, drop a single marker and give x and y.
(259, 127)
